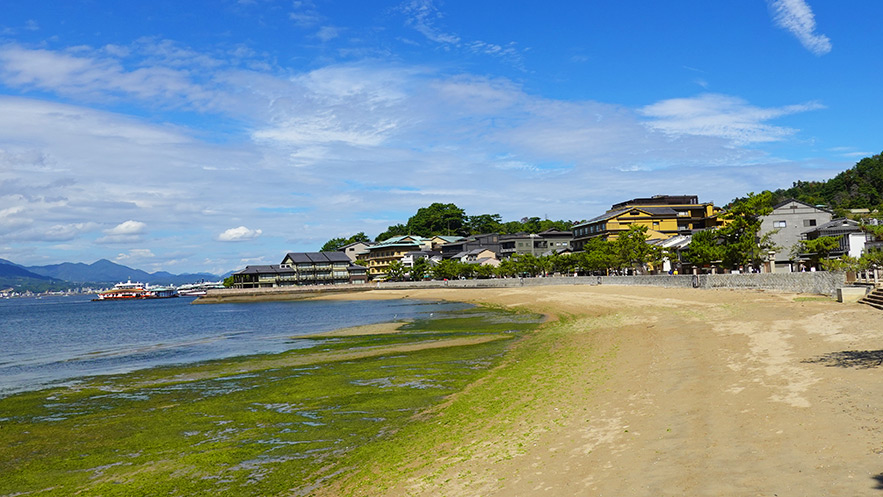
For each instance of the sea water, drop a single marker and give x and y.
(55, 340)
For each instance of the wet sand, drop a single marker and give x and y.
(678, 392)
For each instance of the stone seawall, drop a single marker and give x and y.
(822, 283)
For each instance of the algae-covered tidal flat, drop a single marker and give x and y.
(277, 424)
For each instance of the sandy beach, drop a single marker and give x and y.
(654, 392)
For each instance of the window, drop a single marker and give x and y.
(809, 222)
(780, 224)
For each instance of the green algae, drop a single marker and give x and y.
(262, 425)
(495, 419)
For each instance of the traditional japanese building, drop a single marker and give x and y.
(302, 268)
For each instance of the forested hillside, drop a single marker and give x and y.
(857, 188)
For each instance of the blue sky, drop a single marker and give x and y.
(205, 136)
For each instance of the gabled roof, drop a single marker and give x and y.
(841, 224)
(404, 239)
(788, 201)
(449, 239)
(353, 244)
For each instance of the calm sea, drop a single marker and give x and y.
(55, 340)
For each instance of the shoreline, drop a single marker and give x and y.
(624, 390)
(656, 392)
(266, 424)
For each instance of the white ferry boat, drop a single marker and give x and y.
(135, 290)
(198, 289)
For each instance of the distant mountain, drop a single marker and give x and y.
(20, 279)
(107, 272)
(10, 270)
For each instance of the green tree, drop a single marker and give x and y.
(394, 230)
(705, 248)
(228, 281)
(598, 255)
(484, 223)
(743, 245)
(872, 259)
(507, 267)
(395, 271)
(437, 219)
(563, 263)
(421, 269)
(526, 265)
(336, 243)
(858, 187)
(819, 248)
(633, 251)
(845, 263)
(484, 271)
(447, 269)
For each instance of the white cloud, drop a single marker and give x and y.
(343, 148)
(239, 234)
(102, 74)
(58, 232)
(422, 16)
(135, 256)
(796, 17)
(721, 116)
(125, 232)
(305, 14)
(127, 228)
(13, 217)
(328, 33)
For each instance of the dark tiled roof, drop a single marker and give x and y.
(317, 257)
(265, 270)
(837, 225)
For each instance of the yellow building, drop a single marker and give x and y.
(378, 257)
(663, 215)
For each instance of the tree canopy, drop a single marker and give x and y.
(336, 243)
(860, 187)
(742, 243)
(450, 220)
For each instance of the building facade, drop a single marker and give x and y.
(851, 237)
(544, 243)
(664, 216)
(302, 268)
(787, 225)
(378, 257)
(355, 249)
(489, 241)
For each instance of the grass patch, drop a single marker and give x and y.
(262, 425)
(819, 298)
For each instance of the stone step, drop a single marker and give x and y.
(873, 299)
(872, 304)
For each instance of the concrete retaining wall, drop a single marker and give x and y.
(821, 282)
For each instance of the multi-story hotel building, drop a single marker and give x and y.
(663, 215)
